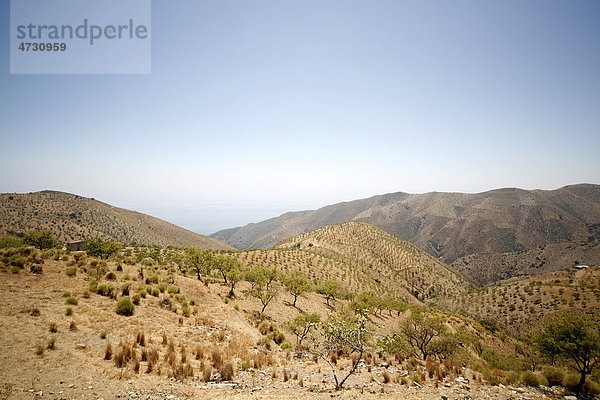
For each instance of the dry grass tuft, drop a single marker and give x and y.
(140, 339)
(386, 377)
(183, 355)
(217, 358)
(152, 355)
(207, 371)
(150, 367)
(123, 355)
(108, 351)
(227, 372)
(199, 352)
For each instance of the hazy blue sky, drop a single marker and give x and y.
(254, 108)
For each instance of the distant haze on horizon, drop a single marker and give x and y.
(258, 108)
(210, 218)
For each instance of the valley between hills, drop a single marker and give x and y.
(288, 307)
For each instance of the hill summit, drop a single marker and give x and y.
(74, 217)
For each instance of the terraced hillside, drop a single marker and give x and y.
(365, 257)
(486, 268)
(74, 217)
(520, 304)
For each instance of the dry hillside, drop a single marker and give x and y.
(449, 225)
(520, 304)
(74, 217)
(368, 258)
(486, 268)
(212, 350)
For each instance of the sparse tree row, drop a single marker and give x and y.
(427, 343)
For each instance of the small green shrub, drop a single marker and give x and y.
(106, 290)
(51, 344)
(103, 335)
(143, 293)
(162, 288)
(93, 286)
(236, 307)
(553, 375)
(40, 350)
(111, 276)
(591, 387)
(72, 300)
(66, 294)
(152, 279)
(512, 378)
(125, 306)
(245, 365)
(71, 271)
(173, 289)
(15, 270)
(86, 294)
(69, 311)
(415, 377)
(148, 262)
(530, 379)
(155, 292)
(285, 345)
(129, 261)
(136, 299)
(570, 381)
(53, 327)
(17, 261)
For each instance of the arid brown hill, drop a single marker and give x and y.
(486, 268)
(450, 225)
(365, 257)
(519, 305)
(76, 217)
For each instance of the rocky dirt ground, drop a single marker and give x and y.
(76, 368)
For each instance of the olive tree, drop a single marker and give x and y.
(302, 325)
(201, 261)
(97, 247)
(262, 284)
(234, 274)
(330, 289)
(572, 338)
(297, 283)
(225, 264)
(41, 240)
(420, 331)
(340, 335)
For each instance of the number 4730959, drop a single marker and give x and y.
(42, 46)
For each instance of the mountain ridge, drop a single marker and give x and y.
(72, 217)
(449, 225)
